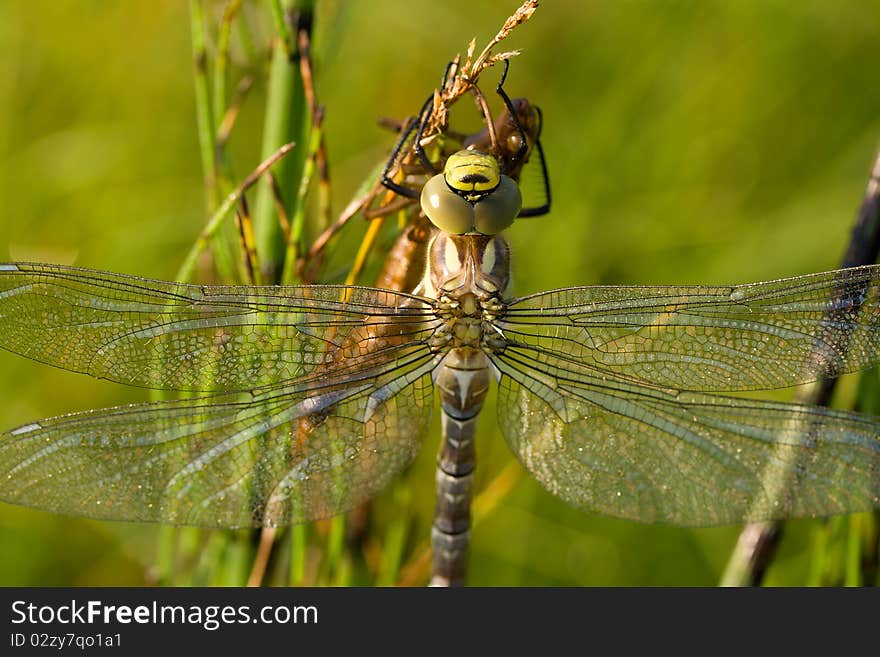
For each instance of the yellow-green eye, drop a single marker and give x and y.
(453, 214)
(496, 211)
(446, 209)
(472, 173)
(471, 196)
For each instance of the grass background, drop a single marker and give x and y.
(688, 142)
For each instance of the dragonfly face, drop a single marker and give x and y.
(510, 141)
(471, 196)
(614, 398)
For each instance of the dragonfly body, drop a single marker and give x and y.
(468, 274)
(613, 398)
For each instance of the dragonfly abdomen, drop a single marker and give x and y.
(462, 381)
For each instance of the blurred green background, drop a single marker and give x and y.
(688, 142)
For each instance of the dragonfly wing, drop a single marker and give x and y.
(604, 398)
(687, 459)
(288, 454)
(706, 339)
(177, 336)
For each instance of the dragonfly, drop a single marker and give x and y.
(617, 399)
(510, 139)
(513, 138)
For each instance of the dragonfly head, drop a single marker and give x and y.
(471, 196)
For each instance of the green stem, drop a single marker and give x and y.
(854, 541)
(284, 122)
(294, 245)
(395, 538)
(281, 27)
(221, 62)
(335, 546)
(165, 558)
(204, 119)
(224, 210)
(298, 546)
(206, 130)
(818, 555)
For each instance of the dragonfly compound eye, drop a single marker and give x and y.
(496, 211)
(471, 195)
(446, 209)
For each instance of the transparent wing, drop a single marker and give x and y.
(602, 398)
(707, 339)
(197, 337)
(692, 460)
(339, 381)
(287, 454)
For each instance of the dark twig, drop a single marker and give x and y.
(758, 541)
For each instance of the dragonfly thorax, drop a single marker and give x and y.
(458, 264)
(467, 275)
